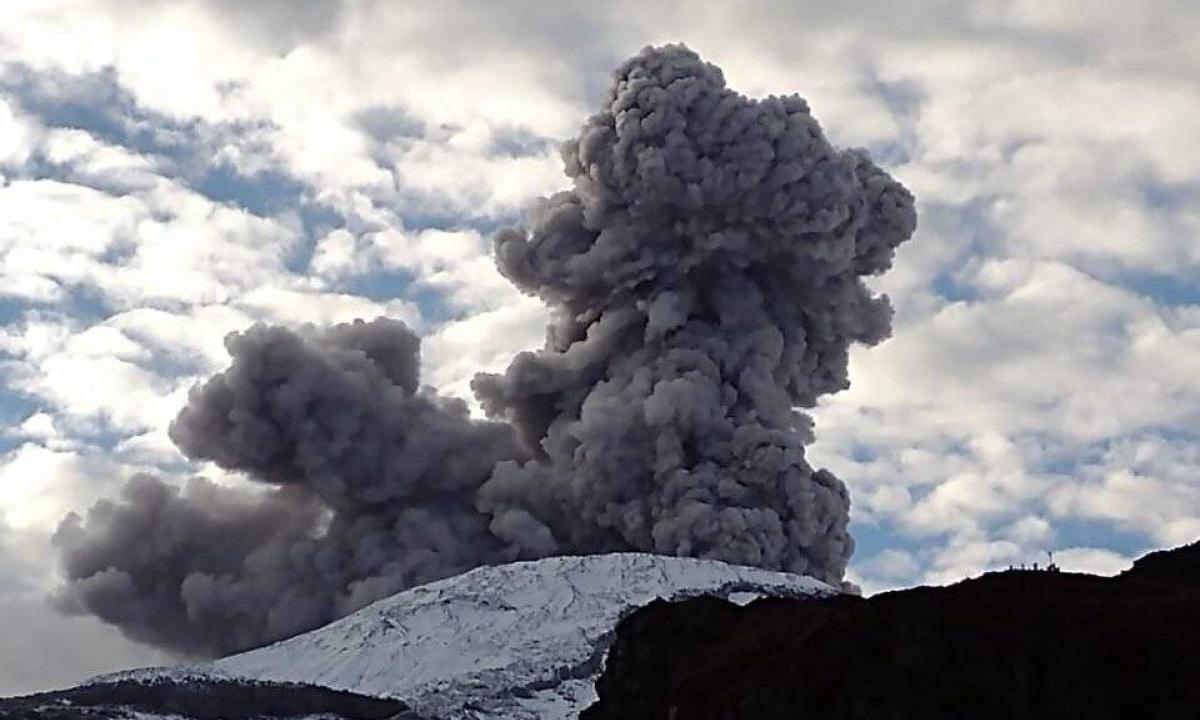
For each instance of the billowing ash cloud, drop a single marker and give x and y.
(705, 276)
(371, 489)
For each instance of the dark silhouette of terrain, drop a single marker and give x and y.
(1006, 645)
(197, 699)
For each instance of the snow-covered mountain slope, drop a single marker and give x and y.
(524, 640)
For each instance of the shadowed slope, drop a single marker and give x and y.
(1005, 645)
(201, 699)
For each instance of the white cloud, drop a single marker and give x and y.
(38, 485)
(195, 335)
(968, 556)
(51, 234)
(18, 136)
(464, 178)
(88, 377)
(164, 245)
(483, 342)
(1048, 350)
(37, 426)
(96, 163)
(294, 307)
(337, 254)
(456, 262)
(893, 565)
(1096, 561)
(1145, 484)
(1030, 530)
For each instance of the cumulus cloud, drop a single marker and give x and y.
(161, 246)
(37, 480)
(704, 275)
(1097, 561)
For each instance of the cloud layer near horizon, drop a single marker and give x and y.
(174, 171)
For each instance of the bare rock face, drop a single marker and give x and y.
(1010, 645)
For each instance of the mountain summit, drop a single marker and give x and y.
(523, 640)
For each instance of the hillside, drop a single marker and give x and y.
(1009, 645)
(524, 640)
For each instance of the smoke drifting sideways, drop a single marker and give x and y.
(371, 490)
(705, 278)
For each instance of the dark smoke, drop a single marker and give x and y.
(375, 492)
(705, 277)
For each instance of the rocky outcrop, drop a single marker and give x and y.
(1016, 644)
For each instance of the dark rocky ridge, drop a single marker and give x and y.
(1019, 644)
(197, 699)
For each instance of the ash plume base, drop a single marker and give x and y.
(705, 277)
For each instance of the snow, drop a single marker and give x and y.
(524, 640)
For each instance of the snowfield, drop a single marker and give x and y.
(523, 640)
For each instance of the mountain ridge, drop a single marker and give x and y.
(523, 640)
(1005, 646)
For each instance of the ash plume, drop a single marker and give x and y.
(704, 273)
(369, 489)
(705, 277)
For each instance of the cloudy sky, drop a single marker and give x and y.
(172, 171)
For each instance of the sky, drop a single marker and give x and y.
(174, 171)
